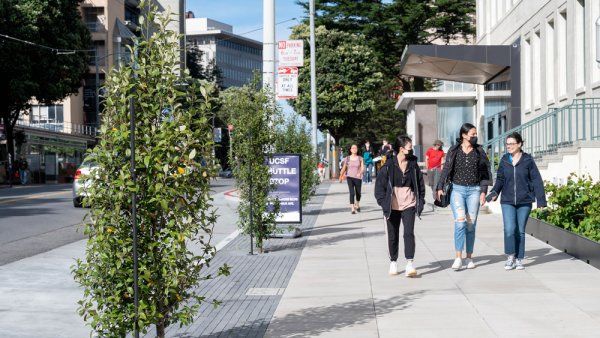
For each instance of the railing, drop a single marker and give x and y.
(62, 127)
(559, 127)
(95, 26)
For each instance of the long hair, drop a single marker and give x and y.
(464, 129)
(401, 142)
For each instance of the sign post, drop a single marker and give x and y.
(286, 175)
(287, 83)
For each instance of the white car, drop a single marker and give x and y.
(79, 183)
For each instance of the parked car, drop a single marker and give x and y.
(79, 183)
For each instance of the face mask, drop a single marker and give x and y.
(473, 140)
(409, 153)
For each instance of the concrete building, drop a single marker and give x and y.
(236, 56)
(57, 136)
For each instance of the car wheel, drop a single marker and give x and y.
(77, 202)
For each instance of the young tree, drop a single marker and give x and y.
(173, 144)
(293, 137)
(349, 80)
(254, 116)
(30, 71)
(211, 72)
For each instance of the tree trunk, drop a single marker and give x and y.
(10, 146)
(160, 329)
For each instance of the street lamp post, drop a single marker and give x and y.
(313, 76)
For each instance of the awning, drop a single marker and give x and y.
(460, 63)
(122, 31)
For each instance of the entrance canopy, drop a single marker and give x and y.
(460, 63)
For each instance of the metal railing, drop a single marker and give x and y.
(558, 128)
(62, 127)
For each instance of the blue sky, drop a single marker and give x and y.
(246, 15)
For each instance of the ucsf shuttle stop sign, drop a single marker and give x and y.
(286, 175)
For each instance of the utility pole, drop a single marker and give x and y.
(313, 77)
(269, 45)
(96, 61)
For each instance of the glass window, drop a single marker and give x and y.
(451, 115)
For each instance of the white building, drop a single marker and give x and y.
(236, 56)
(560, 78)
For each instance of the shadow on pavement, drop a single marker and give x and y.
(323, 231)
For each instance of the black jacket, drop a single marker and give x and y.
(519, 184)
(384, 185)
(484, 171)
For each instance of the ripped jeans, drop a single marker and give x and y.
(464, 202)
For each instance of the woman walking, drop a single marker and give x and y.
(400, 191)
(468, 168)
(520, 183)
(353, 166)
(368, 160)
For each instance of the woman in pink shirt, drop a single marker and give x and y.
(353, 168)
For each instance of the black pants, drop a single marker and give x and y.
(393, 233)
(354, 185)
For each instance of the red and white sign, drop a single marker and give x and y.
(230, 127)
(287, 83)
(291, 53)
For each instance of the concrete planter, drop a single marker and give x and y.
(566, 241)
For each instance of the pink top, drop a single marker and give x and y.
(353, 167)
(403, 198)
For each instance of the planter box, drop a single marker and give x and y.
(566, 241)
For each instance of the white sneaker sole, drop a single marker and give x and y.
(392, 273)
(411, 274)
(520, 268)
(507, 268)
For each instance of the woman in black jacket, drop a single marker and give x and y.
(468, 168)
(400, 191)
(520, 182)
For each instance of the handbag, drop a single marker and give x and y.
(444, 200)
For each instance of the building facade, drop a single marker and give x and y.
(237, 57)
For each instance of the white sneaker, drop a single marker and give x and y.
(393, 268)
(510, 263)
(519, 264)
(410, 270)
(457, 263)
(470, 263)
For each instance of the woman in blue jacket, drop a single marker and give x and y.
(520, 182)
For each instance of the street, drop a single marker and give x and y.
(36, 219)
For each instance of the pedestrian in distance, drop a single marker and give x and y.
(23, 170)
(468, 169)
(321, 169)
(434, 160)
(519, 183)
(400, 191)
(353, 168)
(368, 160)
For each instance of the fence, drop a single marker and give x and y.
(62, 127)
(559, 127)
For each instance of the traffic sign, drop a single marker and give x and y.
(287, 83)
(291, 53)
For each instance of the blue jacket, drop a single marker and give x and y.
(368, 157)
(520, 184)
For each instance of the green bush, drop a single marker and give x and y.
(251, 111)
(294, 138)
(174, 212)
(574, 206)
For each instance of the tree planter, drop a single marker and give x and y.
(569, 242)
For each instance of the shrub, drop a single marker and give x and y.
(574, 206)
(173, 136)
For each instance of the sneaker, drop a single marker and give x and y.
(519, 264)
(410, 270)
(470, 263)
(353, 212)
(393, 268)
(510, 263)
(457, 263)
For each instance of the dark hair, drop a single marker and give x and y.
(464, 129)
(516, 136)
(401, 142)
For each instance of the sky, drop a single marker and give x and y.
(246, 15)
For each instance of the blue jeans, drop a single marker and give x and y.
(515, 219)
(367, 174)
(464, 202)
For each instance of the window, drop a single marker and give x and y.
(46, 114)
(595, 66)
(580, 43)
(527, 74)
(549, 60)
(451, 115)
(536, 64)
(561, 35)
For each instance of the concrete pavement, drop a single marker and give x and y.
(341, 286)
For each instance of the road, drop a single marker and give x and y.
(36, 219)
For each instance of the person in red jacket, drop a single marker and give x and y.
(434, 159)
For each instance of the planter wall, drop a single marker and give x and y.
(566, 241)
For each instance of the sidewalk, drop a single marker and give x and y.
(341, 286)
